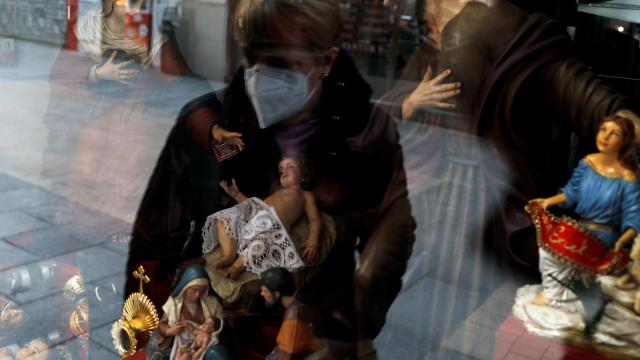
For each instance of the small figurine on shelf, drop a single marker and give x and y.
(605, 191)
(298, 337)
(255, 234)
(191, 304)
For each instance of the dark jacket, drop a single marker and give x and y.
(351, 177)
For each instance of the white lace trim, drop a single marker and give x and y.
(261, 237)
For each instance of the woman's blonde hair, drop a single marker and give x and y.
(317, 20)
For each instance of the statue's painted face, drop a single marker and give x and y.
(609, 138)
(194, 293)
(290, 173)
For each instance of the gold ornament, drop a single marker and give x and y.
(10, 313)
(79, 319)
(74, 287)
(139, 319)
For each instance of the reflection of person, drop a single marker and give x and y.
(497, 67)
(255, 233)
(106, 97)
(102, 33)
(605, 191)
(190, 305)
(321, 105)
(297, 338)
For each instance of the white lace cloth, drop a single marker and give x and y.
(261, 237)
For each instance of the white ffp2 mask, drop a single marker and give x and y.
(276, 94)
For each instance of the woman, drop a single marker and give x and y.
(605, 191)
(191, 304)
(321, 106)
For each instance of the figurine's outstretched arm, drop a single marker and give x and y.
(233, 191)
(554, 200)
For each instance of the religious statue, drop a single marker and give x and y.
(192, 319)
(605, 192)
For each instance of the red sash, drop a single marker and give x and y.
(570, 242)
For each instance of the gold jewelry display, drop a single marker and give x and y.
(139, 319)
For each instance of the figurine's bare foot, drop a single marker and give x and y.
(233, 272)
(225, 261)
(539, 299)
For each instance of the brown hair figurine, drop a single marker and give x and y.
(605, 192)
(627, 153)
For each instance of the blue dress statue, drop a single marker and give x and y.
(607, 205)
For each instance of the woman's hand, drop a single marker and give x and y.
(115, 72)
(310, 251)
(231, 189)
(233, 138)
(430, 93)
(176, 329)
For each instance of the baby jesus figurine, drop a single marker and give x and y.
(255, 234)
(203, 335)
